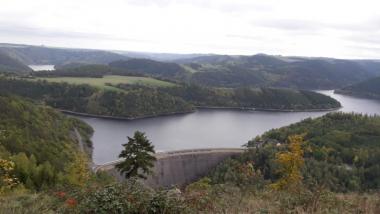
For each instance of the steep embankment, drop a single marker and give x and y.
(369, 89)
(39, 140)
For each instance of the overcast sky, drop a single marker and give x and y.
(331, 28)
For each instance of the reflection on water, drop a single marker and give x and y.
(205, 128)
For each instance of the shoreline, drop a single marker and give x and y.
(357, 94)
(121, 118)
(196, 108)
(268, 109)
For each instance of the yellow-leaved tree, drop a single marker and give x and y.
(291, 163)
(78, 172)
(7, 180)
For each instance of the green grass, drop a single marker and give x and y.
(112, 79)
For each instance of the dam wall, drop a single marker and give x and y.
(179, 168)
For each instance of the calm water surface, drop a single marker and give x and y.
(42, 67)
(205, 128)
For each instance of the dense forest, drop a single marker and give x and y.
(40, 142)
(341, 152)
(258, 98)
(369, 89)
(153, 68)
(265, 70)
(140, 101)
(86, 99)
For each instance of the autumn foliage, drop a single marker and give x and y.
(290, 162)
(7, 180)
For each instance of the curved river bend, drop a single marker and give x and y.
(205, 128)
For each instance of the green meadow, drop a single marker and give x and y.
(110, 79)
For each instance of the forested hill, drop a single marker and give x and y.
(256, 98)
(29, 54)
(39, 140)
(153, 68)
(210, 70)
(136, 101)
(369, 89)
(90, 100)
(9, 64)
(278, 71)
(342, 151)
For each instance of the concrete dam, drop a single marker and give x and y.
(178, 168)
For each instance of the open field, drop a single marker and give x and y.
(111, 79)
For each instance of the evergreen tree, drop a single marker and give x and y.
(139, 156)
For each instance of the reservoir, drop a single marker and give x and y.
(42, 67)
(205, 128)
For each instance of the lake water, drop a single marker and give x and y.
(205, 128)
(42, 67)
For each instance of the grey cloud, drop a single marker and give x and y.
(8, 29)
(290, 24)
(364, 38)
(371, 25)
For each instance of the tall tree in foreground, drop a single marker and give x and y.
(139, 157)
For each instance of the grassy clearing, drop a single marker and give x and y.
(111, 79)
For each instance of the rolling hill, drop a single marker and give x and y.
(29, 54)
(9, 64)
(153, 68)
(278, 71)
(369, 89)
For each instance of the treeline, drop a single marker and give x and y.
(342, 152)
(41, 144)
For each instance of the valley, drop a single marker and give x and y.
(228, 118)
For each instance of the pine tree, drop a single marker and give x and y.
(139, 156)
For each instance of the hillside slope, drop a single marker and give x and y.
(153, 68)
(342, 151)
(39, 140)
(369, 89)
(9, 64)
(29, 54)
(276, 71)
